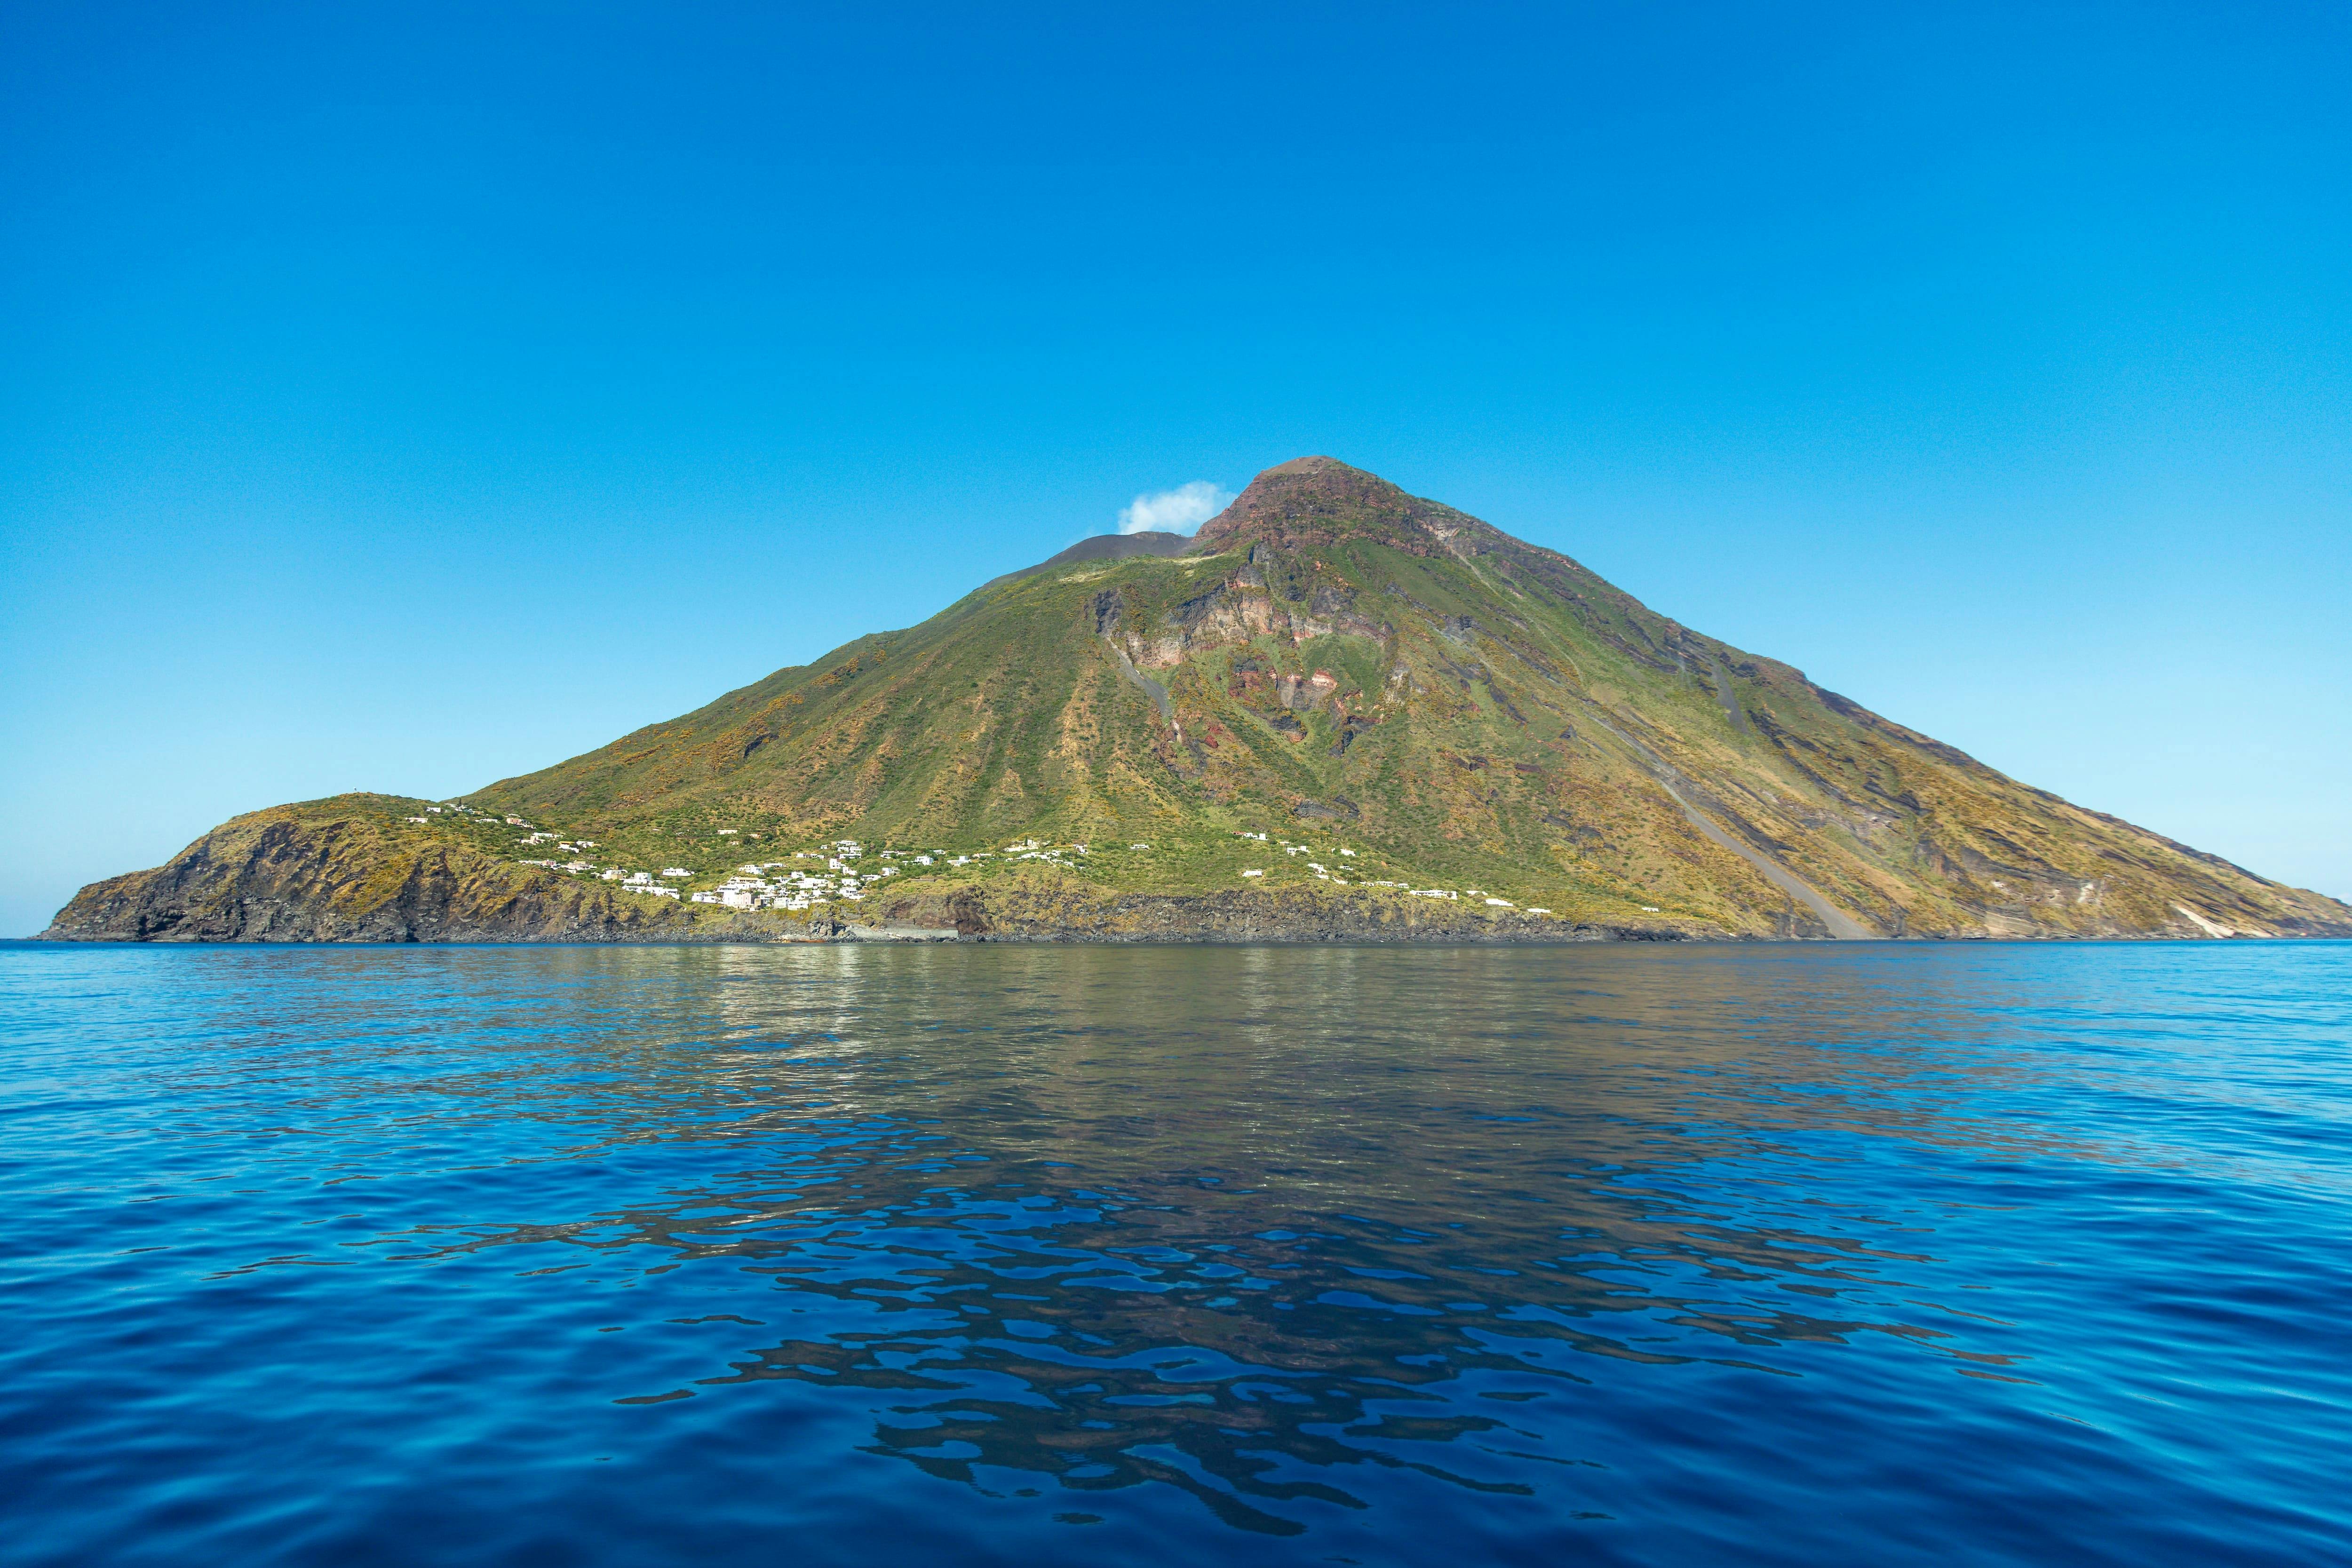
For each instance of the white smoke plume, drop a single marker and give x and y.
(1177, 511)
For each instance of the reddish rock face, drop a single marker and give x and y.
(1313, 501)
(1305, 692)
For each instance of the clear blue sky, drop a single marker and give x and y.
(404, 397)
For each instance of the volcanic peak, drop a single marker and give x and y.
(1311, 501)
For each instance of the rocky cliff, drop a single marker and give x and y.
(343, 869)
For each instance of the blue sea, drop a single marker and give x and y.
(1871, 1254)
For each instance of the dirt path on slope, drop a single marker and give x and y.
(1729, 699)
(1152, 688)
(1845, 927)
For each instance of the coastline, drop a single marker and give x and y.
(284, 876)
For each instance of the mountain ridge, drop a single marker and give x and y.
(1226, 738)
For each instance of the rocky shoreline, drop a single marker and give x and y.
(284, 876)
(436, 904)
(275, 878)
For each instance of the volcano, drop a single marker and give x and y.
(1341, 712)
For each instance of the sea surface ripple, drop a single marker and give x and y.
(1866, 1254)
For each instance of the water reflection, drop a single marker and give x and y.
(1263, 1226)
(996, 1254)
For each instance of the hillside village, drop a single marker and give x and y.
(829, 875)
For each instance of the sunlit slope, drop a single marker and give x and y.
(365, 868)
(1337, 659)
